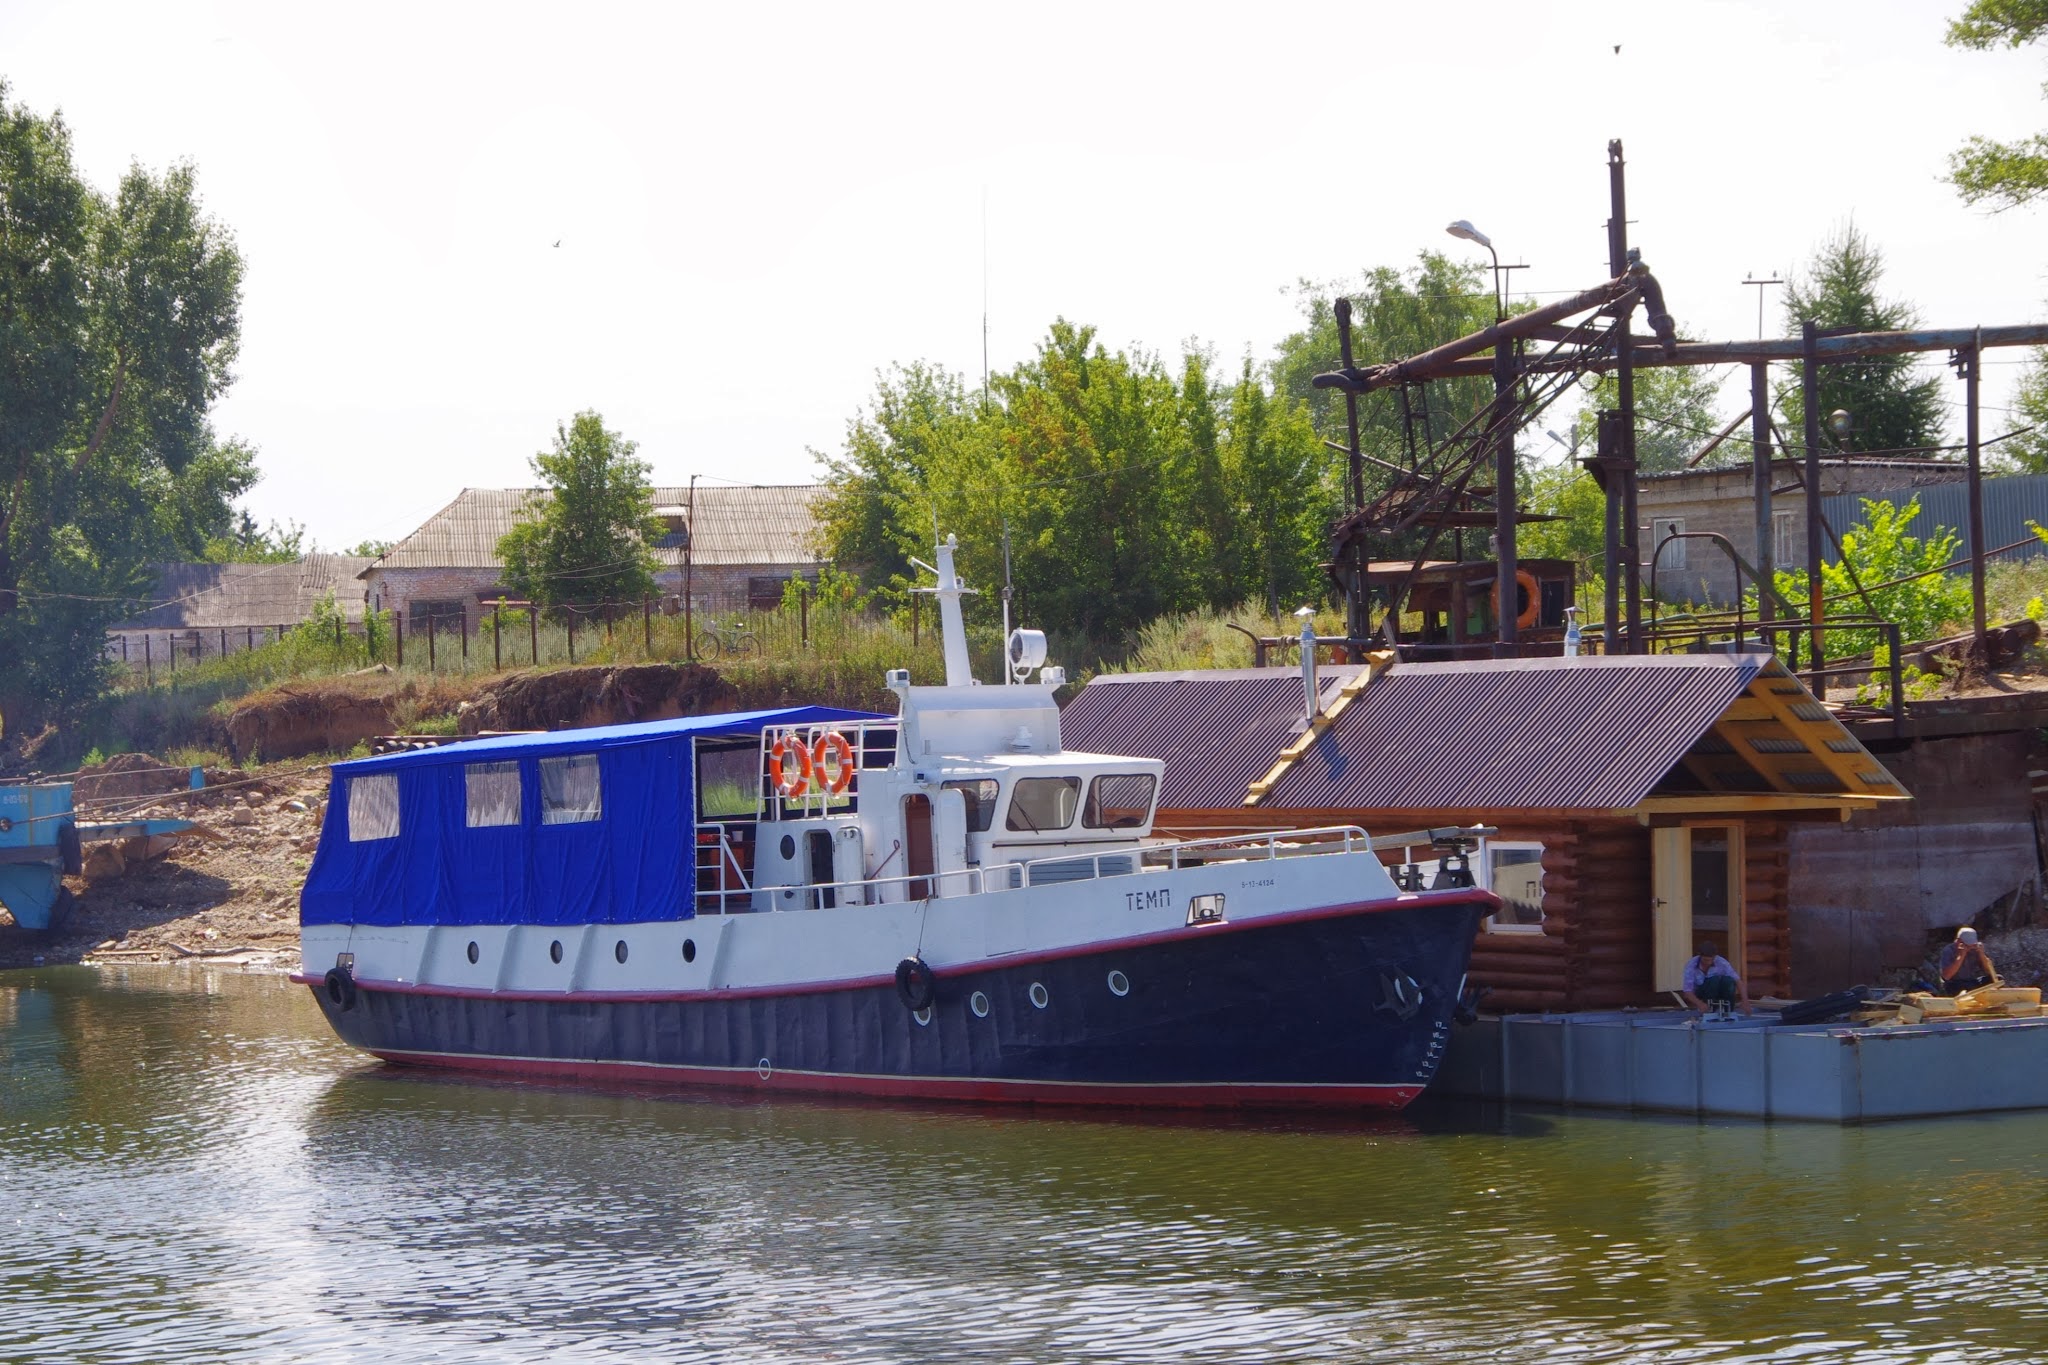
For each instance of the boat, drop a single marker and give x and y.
(941, 904)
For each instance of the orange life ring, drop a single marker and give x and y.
(789, 747)
(832, 761)
(1529, 604)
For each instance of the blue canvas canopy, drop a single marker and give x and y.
(599, 827)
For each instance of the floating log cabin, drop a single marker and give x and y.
(1642, 802)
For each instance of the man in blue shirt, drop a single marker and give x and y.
(1712, 979)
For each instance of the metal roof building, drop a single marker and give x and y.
(765, 524)
(211, 596)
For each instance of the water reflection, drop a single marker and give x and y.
(194, 1164)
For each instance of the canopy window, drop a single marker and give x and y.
(570, 792)
(492, 791)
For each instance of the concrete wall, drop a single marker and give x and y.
(1724, 501)
(1872, 897)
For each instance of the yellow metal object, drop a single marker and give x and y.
(1376, 663)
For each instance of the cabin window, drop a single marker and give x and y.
(728, 781)
(1119, 801)
(980, 795)
(1043, 803)
(569, 791)
(493, 791)
(373, 807)
(1514, 872)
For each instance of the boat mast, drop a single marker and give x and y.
(952, 629)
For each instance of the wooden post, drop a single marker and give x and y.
(148, 664)
(497, 638)
(647, 625)
(463, 630)
(803, 614)
(533, 630)
(431, 633)
(569, 613)
(398, 638)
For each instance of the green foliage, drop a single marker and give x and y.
(1675, 418)
(1915, 682)
(2027, 452)
(1567, 491)
(373, 549)
(1128, 489)
(119, 321)
(1924, 605)
(1891, 409)
(1206, 639)
(585, 539)
(245, 544)
(2004, 174)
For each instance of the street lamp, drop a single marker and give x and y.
(1464, 231)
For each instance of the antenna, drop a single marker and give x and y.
(984, 317)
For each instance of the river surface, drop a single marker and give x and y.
(192, 1167)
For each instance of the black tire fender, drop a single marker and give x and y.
(916, 984)
(340, 985)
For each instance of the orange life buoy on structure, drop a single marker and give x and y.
(1528, 600)
(832, 762)
(790, 784)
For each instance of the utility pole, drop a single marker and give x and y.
(1760, 302)
(1809, 392)
(1625, 379)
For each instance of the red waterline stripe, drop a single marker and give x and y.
(1174, 935)
(1231, 1095)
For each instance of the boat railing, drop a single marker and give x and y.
(869, 744)
(1282, 843)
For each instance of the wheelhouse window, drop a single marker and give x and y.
(1043, 803)
(569, 790)
(1514, 872)
(1119, 801)
(373, 807)
(493, 794)
(980, 795)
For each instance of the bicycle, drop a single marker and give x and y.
(729, 639)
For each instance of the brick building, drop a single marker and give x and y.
(1724, 500)
(733, 546)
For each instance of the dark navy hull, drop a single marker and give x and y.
(1343, 1006)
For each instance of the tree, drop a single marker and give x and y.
(2004, 174)
(2026, 451)
(585, 537)
(245, 544)
(119, 321)
(1897, 569)
(1891, 410)
(1675, 418)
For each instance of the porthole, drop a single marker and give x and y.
(979, 1004)
(689, 950)
(1119, 984)
(1039, 995)
(474, 951)
(619, 950)
(923, 1016)
(555, 951)
(788, 847)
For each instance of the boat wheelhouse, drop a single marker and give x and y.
(944, 903)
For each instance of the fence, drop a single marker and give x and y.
(499, 636)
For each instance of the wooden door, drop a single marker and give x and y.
(1670, 906)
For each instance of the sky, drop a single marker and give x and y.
(716, 224)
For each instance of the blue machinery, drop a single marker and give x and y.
(42, 841)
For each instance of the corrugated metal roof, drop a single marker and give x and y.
(1591, 733)
(1216, 730)
(204, 596)
(772, 525)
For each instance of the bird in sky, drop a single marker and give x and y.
(1617, 52)
(558, 240)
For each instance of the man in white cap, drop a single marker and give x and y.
(1965, 965)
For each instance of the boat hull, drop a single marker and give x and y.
(1340, 1007)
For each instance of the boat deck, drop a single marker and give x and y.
(1668, 1061)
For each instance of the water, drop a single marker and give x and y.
(190, 1166)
